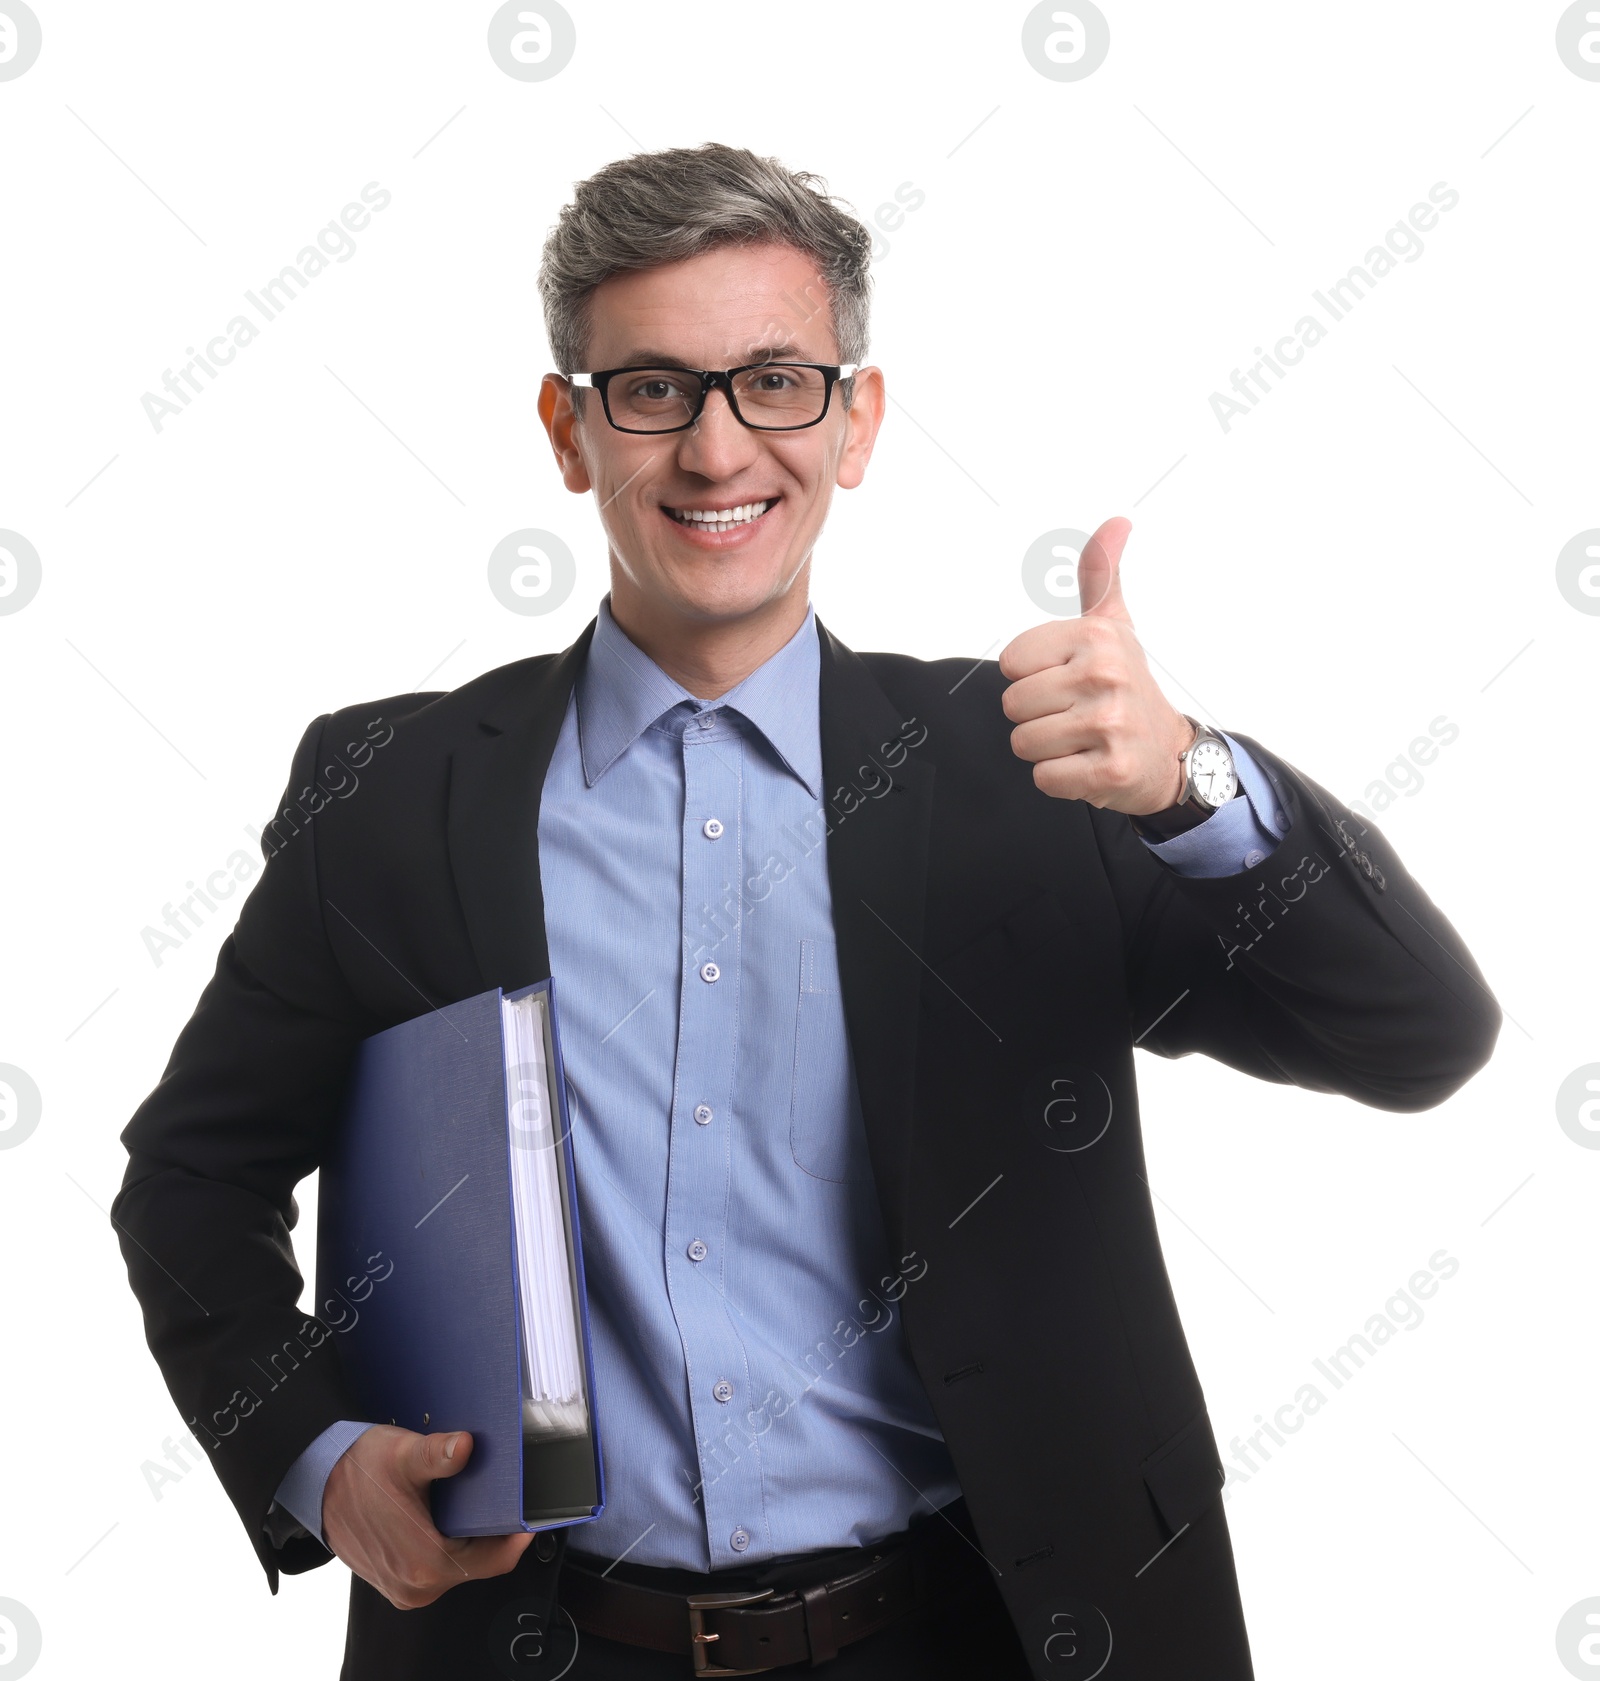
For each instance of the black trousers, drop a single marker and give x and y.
(487, 1630)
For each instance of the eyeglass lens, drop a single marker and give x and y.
(777, 394)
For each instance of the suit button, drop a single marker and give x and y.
(544, 1546)
(1366, 864)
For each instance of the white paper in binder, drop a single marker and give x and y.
(553, 1402)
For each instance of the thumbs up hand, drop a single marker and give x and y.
(1089, 715)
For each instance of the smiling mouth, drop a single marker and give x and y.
(721, 519)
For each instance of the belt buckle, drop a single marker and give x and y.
(699, 1604)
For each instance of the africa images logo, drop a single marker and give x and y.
(20, 39)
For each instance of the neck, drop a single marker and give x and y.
(708, 656)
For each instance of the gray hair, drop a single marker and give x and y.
(662, 207)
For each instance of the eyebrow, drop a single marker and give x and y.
(761, 353)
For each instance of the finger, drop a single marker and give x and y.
(1056, 688)
(1055, 643)
(1100, 572)
(1055, 735)
(1085, 776)
(490, 1555)
(443, 1454)
(414, 1580)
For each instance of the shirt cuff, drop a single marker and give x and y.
(1236, 836)
(300, 1492)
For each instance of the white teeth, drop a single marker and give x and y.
(720, 518)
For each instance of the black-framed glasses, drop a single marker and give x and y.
(766, 396)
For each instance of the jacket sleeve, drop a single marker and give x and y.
(1324, 966)
(1236, 835)
(241, 1114)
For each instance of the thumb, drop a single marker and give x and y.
(443, 1454)
(1100, 572)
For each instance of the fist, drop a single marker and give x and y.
(1090, 718)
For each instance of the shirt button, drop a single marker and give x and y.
(707, 719)
(702, 1114)
(712, 828)
(697, 1251)
(710, 972)
(1253, 857)
(1283, 822)
(739, 1540)
(722, 1389)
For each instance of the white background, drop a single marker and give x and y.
(1370, 548)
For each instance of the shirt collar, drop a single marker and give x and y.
(621, 692)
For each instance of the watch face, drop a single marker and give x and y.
(1211, 771)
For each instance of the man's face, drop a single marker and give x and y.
(725, 308)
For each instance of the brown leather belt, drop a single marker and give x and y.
(744, 1631)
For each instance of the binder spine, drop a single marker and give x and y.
(567, 1169)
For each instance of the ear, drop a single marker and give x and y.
(862, 420)
(563, 427)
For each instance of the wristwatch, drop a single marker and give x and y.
(1209, 781)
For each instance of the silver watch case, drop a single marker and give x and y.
(1192, 799)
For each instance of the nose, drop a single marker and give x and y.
(716, 446)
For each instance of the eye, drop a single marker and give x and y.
(655, 387)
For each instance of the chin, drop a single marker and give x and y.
(717, 588)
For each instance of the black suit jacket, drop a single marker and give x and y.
(1000, 954)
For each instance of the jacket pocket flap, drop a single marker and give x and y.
(1184, 1475)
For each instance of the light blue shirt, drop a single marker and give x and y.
(754, 1391)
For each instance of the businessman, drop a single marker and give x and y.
(853, 952)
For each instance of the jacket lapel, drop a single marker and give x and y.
(496, 781)
(878, 871)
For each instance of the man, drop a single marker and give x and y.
(852, 952)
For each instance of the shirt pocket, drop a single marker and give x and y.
(827, 1137)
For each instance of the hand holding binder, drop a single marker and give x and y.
(375, 1514)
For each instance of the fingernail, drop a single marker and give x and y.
(450, 1446)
